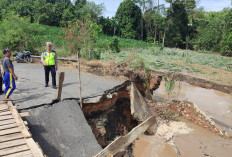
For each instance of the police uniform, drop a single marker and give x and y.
(50, 59)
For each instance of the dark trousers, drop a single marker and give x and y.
(47, 70)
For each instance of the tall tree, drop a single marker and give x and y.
(227, 35)
(144, 4)
(177, 25)
(128, 17)
(93, 9)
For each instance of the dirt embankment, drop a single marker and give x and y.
(191, 112)
(124, 71)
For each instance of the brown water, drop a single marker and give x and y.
(215, 104)
(200, 142)
(153, 146)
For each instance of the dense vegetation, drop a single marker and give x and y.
(78, 26)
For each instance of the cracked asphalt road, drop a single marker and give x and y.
(31, 92)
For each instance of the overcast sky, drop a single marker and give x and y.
(209, 5)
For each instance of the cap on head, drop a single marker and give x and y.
(6, 50)
(49, 44)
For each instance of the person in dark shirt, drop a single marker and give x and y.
(9, 76)
(1, 79)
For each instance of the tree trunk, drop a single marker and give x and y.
(164, 36)
(155, 34)
(115, 30)
(141, 28)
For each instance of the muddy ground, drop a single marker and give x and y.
(182, 138)
(177, 136)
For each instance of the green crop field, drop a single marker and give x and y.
(211, 66)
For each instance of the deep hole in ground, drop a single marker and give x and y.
(64, 129)
(56, 126)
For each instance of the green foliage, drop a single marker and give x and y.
(156, 48)
(114, 45)
(137, 62)
(128, 17)
(169, 85)
(96, 54)
(104, 41)
(51, 12)
(210, 32)
(16, 33)
(154, 24)
(80, 36)
(177, 25)
(227, 36)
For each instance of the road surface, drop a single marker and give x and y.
(31, 91)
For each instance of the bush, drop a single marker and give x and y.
(227, 45)
(16, 33)
(114, 45)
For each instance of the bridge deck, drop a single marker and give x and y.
(15, 139)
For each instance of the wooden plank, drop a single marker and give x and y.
(124, 141)
(35, 150)
(7, 112)
(25, 122)
(20, 123)
(10, 103)
(4, 107)
(3, 104)
(4, 127)
(21, 154)
(9, 131)
(12, 150)
(24, 114)
(11, 137)
(4, 110)
(61, 80)
(6, 117)
(6, 122)
(13, 143)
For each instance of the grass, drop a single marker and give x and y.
(144, 55)
(209, 66)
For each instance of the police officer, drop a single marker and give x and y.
(49, 60)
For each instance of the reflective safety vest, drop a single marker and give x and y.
(49, 58)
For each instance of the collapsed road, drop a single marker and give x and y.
(62, 129)
(31, 92)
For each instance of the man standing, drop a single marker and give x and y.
(8, 74)
(49, 60)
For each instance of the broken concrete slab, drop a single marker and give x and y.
(62, 130)
(139, 108)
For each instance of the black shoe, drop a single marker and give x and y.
(46, 85)
(54, 87)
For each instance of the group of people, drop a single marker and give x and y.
(8, 76)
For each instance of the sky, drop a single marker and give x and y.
(209, 5)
